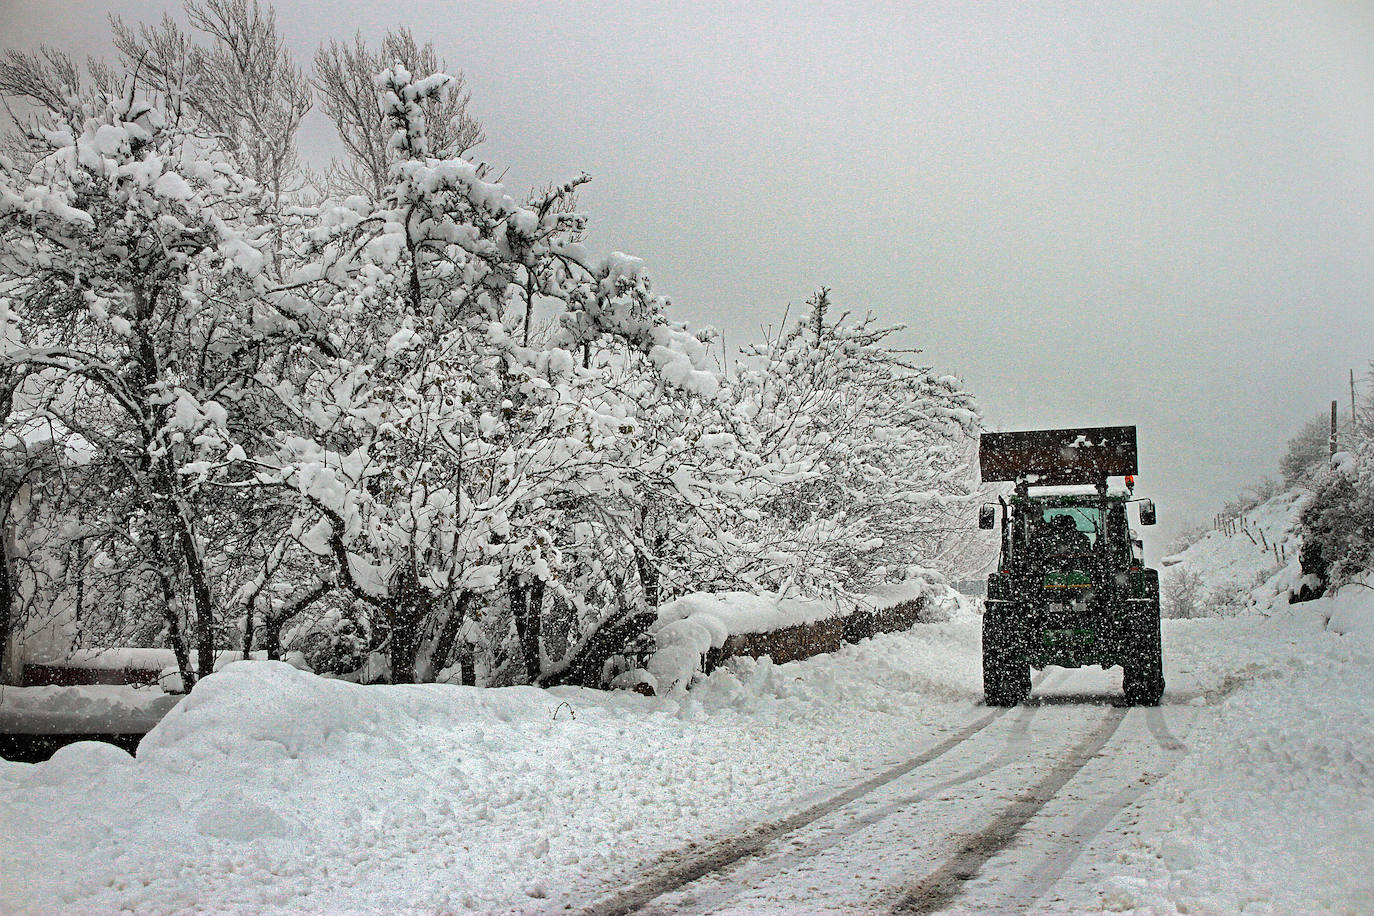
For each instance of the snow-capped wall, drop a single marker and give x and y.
(696, 631)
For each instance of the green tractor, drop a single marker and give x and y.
(1071, 586)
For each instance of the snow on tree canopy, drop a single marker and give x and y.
(426, 418)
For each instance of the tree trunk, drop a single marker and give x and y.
(6, 583)
(174, 634)
(646, 560)
(179, 648)
(526, 605)
(441, 658)
(406, 610)
(405, 642)
(649, 578)
(271, 636)
(248, 628)
(613, 638)
(467, 664)
(272, 624)
(200, 593)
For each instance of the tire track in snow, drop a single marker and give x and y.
(683, 866)
(693, 863)
(1084, 830)
(786, 859)
(1154, 718)
(938, 888)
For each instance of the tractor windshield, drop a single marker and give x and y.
(1070, 530)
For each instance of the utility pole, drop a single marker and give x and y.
(1352, 399)
(1333, 429)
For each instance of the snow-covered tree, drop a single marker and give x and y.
(241, 85)
(888, 446)
(131, 260)
(345, 76)
(453, 448)
(414, 430)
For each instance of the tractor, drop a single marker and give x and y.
(1071, 587)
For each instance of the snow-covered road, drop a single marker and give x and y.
(871, 780)
(987, 820)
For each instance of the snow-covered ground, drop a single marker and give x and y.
(1269, 811)
(272, 791)
(1228, 571)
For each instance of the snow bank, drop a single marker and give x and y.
(1349, 611)
(691, 626)
(743, 612)
(272, 791)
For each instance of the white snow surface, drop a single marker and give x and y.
(1236, 572)
(435, 798)
(1269, 810)
(272, 791)
(742, 612)
(1351, 609)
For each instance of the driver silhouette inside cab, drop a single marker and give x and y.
(1065, 539)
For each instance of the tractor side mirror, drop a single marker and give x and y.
(986, 516)
(1147, 512)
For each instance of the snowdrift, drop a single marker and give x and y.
(1350, 611)
(269, 790)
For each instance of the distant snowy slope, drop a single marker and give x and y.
(1224, 573)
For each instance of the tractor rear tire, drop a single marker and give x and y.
(1142, 678)
(1006, 674)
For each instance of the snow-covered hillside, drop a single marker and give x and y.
(1242, 566)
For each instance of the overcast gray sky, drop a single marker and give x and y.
(1095, 213)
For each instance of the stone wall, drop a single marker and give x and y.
(794, 643)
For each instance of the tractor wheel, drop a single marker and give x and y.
(1142, 678)
(1006, 675)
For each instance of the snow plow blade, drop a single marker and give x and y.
(1058, 457)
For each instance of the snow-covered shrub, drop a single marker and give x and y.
(1306, 454)
(336, 643)
(1338, 527)
(1182, 595)
(1186, 538)
(1250, 497)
